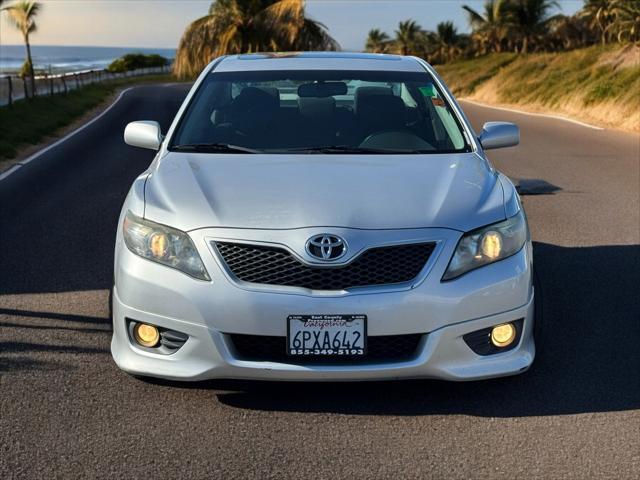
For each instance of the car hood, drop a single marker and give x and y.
(191, 190)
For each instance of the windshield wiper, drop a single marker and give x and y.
(347, 149)
(213, 148)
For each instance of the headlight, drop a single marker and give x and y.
(487, 245)
(164, 245)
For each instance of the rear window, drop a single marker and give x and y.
(296, 111)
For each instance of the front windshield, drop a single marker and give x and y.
(320, 111)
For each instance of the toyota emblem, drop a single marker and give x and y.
(326, 247)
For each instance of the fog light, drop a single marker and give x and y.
(146, 335)
(503, 335)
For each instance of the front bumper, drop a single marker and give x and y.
(209, 311)
(442, 354)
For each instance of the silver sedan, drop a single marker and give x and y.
(322, 216)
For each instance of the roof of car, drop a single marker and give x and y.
(318, 61)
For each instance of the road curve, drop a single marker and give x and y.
(67, 411)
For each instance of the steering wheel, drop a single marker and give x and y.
(396, 139)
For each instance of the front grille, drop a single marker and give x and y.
(261, 348)
(276, 266)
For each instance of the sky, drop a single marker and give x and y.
(160, 23)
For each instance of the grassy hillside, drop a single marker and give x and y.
(600, 85)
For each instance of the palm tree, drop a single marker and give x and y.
(377, 41)
(566, 33)
(241, 26)
(613, 19)
(409, 37)
(600, 16)
(492, 29)
(627, 20)
(22, 15)
(531, 20)
(447, 42)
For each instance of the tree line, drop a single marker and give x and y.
(520, 26)
(241, 26)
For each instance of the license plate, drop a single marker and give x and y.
(327, 335)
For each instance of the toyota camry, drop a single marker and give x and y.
(322, 216)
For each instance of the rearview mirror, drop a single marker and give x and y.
(322, 89)
(143, 134)
(499, 135)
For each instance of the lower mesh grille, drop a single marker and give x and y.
(261, 348)
(276, 266)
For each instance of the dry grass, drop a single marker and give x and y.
(599, 85)
(465, 76)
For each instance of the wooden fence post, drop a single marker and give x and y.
(10, 91)
(64, 83)
(51, 85)
(24, 85)
(75, 75)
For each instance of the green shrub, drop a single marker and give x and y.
(134, 61)
(25, 70)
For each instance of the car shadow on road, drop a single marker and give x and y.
(588, 355)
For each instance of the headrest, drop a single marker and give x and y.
(382, 112)
(254, 108)
(316, 108)
(363, 93)
(253, 98)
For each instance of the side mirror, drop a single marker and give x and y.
(144, 134)
(499, 135)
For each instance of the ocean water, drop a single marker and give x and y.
(69, 59)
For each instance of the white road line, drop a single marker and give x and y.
(545, 115)
(18, 165)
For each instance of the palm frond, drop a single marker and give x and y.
(18, 19)
(377, 41)
(475, 19)
(197, 47)
(284, 18)
(22, 15)
(239, 26)
(314, 36)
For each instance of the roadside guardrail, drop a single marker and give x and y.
(13, 87)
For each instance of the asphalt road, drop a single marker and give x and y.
(66, 410)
